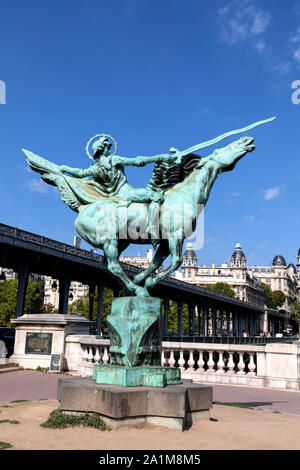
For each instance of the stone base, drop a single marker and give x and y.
(174, 406)
(56, 325)
(149, 376)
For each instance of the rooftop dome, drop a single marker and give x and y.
(238, 253)
(279, 261)
(291, 265)
(189, 253)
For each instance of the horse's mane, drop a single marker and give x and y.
(168, 174)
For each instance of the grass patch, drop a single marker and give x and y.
(59, 420)
(5, 406)
(5, 445)
(235, 405)
(18, 401)
(11, 421)
(42, 369)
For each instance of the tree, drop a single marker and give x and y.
(269, 299)
(295, 313)
(34, 300)
(279, 298)
(274, 299)
(81, 306)
(221, 288)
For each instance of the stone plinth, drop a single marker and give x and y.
(174, 406)
(39, 336)
(135, 376)
(135, 333)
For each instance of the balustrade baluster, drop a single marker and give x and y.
(172, 359)
(97, 356)
(230, 364)
(241, 365)
(90, 355)
(181, 361)
(200, 363)
(221, 363)
(84, 355)
(210, 362)
(251, 365)
(105, 357)
(191, 362)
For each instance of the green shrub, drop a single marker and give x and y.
(59, 420)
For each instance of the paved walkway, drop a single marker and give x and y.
(33, 385)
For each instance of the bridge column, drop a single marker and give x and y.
(179, 318)
(234, 322)
(64, 289)
(204, 320)
(221, 321)
(23, 276)
(99, 307)
(166, 315)
(254, 332)
(241, 323)
(228, 321)
(191, 319)
(92, 288)
(208, 319)
(213, 320)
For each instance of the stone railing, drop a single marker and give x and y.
(82, 351)
(272, 365)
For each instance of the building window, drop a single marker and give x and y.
(189, 273)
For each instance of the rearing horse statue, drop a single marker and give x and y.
(113, 214)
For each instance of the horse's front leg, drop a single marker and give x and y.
(111, 251)
(175, 247)
(161, 254)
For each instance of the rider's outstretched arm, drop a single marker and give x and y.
(138, 161)
(80, 173)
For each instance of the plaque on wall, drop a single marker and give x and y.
(55, 361)
(38, 343)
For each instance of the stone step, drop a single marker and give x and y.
(3, 370)
(8, 366)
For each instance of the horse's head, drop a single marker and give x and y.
(230, 155)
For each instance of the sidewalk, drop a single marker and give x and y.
(33, 385)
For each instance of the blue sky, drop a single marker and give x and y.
(155, 74)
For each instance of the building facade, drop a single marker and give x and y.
(245, 280)
(280, 276)
(245, 286)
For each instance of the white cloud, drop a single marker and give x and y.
(236, 194)
(248, 219)
(295, 37)
(37, 186)
(261, 20)
(297, 54)
(271, 193)
(283, 67)
(260, 46)
(240, 20)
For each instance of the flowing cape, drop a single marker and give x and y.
(75, 192)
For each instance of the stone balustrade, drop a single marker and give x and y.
(272, 365)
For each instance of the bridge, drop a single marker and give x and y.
(217, 315)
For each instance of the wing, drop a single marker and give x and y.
(167, 174)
